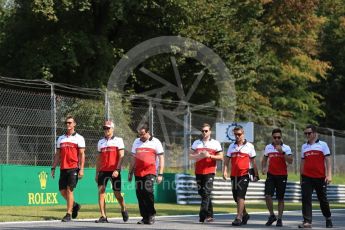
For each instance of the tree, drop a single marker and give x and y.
(333, 51)
(291, 35)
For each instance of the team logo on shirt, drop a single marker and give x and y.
(311, 154)
(66, 145)
(238, 155)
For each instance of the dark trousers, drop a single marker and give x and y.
(144, 191)
(205, 186)
(308, 185)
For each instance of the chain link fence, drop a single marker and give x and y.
(33, 114)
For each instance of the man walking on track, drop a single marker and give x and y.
(316, 173)
(242, 155)
(276, 154)
(206, 151)
(111, 152)
(145, 151)
(70, 149)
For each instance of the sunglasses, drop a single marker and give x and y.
(307, 133)
(238, 134)
(277, 137)
(106, 128)
(68, 122)
(204, 131)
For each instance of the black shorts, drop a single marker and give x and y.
(104, 176)
(68, 177)
(275, 184)
(239, 186)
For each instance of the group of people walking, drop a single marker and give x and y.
(239, 163)
(315, 171)
(145, 150)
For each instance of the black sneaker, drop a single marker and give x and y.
(124, 215)
(305, 225)
(209, 219)
(329, 223)
(236, 222)
(279, 223)
(102, 219)
(151, 220)
(270, 220)
(142, 221)
(75, 210)
(245, 219)
(66, 218)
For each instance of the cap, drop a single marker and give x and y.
(108, 124)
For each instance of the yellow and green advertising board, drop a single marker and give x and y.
(33, 186)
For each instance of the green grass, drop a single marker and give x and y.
(25, 213)
(336, 179)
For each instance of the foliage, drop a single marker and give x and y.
(333, 51)
(285, 56)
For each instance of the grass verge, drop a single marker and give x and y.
(27, 213)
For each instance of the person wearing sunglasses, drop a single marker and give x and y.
(316, 173)
(240, 158)
(108, 166)
(70, 153)
(205, 152)
(276, 155)
(145, 151)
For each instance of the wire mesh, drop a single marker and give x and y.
(33, 114)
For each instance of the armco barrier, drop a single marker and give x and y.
(22, 185)
(186, 191)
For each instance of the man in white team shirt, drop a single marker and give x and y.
(316, 173)
(206, 151)
(108, 166)
(70, 149)
(145, 150)
(240, 157)
(277, 154)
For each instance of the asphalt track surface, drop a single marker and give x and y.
(223, 221)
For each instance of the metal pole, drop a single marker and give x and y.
(54, 111)
(296, 148)
(106, 105)
(334, 152)
(7, 143)
(189, 135)
(151, 116)
(223, 144)
(222, 115)
(185, 142)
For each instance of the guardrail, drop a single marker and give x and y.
(187, 193)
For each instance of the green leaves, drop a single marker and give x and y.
(287, 57)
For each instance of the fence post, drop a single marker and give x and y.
(53, 111)
(334, 152)
(106, 103)
(7, 143)
(296, 148)
(189, 134)
(186, 138)
(151, 117)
